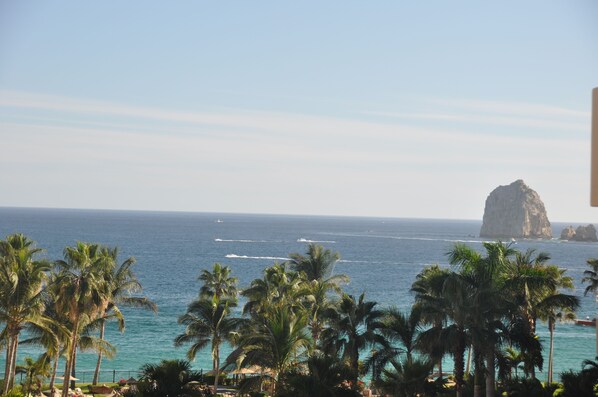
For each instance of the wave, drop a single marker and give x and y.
(221, 240)
(272, 258)
(303, 240)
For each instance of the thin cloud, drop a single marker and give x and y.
(513, 108)
(312, 149)
(240, 145)
(494, 113)
(487, 119)
(272, 125)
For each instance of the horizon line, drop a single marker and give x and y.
(261, 213)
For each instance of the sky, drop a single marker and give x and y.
(391, 109)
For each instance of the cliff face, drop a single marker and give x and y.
(515, 211)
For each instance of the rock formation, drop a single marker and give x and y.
(515, 211)
(582, 233)
(568, 233)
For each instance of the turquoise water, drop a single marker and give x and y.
(381, 256)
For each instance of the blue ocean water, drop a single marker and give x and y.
(381, 256)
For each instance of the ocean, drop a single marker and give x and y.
(381, 257)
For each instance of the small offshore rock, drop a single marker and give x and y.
(585, 233)
(568, 233)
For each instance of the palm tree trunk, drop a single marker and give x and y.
(478, 374)
(551, 351)
(29, 382)
(276, 373)
(459, 364)
(67, 374)
(315, 332)
(13, 369)
(490, 373)
(8, 365)
(70, 359)
(96, 374)
(468, 366)
(355, 363)
(217, 368)
(11, 361)
(533, 366)
(54, 369)
(73, 366)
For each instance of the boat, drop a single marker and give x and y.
(219, 221)
(586, 322)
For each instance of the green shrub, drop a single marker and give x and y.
(15, 392)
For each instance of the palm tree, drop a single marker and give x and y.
(122, 284)
(274, 339)
(398, 329)
(317, 301)
(551, 316)
(218, 282)
(318, 265)
(207, 321)
(508, 361)
(277, 287)
(35, 371)
(580, 384)
(324, 377)
(21, 294)
(82, 292)
(482, 278)
(443, 299)
(406, 379)
(556, 307)
(53, 336)
(591, 277)
(535, 288)
(167, 378)
(434, 309)
(354, 326)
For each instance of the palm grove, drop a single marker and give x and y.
(297, 327)
(315, 340)
(63, 305)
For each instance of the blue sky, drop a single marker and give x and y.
(408, 109)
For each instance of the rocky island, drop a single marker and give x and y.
(515, 211)
(582, 233)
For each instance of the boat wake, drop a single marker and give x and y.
(221, 240)
(272, 258)
(304, 240)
